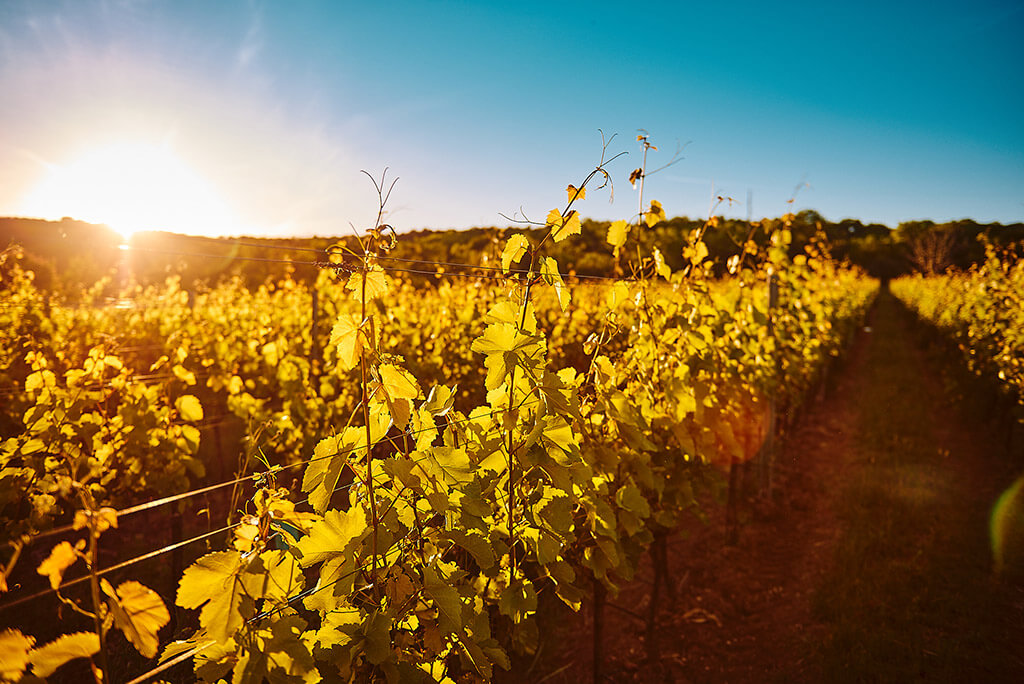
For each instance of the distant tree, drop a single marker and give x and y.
(930, 247)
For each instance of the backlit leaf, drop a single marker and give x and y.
(376, 284)
(46, 659)
(398, 383)
(514, 250)
(576, 193)
(617, 233)
(654, 215)
(549, 272)
(450, 464)
(329, 459)
(189, 408)
(62, 557)
(14, 649)
(139, 613)
(330, 537)
(346, 336)
(215, 582)
(564, 226)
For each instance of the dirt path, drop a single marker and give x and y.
(871, 564)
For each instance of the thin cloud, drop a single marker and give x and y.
(254, 41)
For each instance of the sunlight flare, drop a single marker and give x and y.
(133, 186)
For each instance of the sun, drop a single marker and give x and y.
(133, 186)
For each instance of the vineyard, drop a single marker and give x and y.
(372, 479)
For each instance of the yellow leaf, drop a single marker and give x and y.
(564, 226)
(655, 214)
(14, 648)
(576, 193)
(46, 659)
(62, 557)
(245, 537)
(514, 250)
(105, 518)
(346, 336)
(271, 354)
(376, 284)
(616, 295)
(189, 408)
(617, 233)
(659, 264)
(139, 613)
(184, 374)
(549, 272)
(398, 383)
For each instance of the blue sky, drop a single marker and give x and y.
(267, 111)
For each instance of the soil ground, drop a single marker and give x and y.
(871, 561)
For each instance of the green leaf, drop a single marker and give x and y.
(446, 599)
(46, 659)
(377, 631)
(518, 601)
(279, 655)
(477, 545)
(139, 613)
(632, 499)
(514, 250)
(189, 408)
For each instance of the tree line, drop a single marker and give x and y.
(69, 256)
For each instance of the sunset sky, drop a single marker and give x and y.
(257, 117)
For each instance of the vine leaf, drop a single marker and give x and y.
(280, 656)
(14, 654)
(330, 537)
(105, 518)
(189, 408)
(139, 613)
(476, 544)
(46, 659)
(398, 383)
(576, 193)
(654, 215)
(499, 345)
(514, 250)
(617, 233)
(376, 284)
(345, 336)
(62, 557)
(549, 272)
(564, 226)
(446, 599)
(329, 458)
(450, 464)
(215, 582)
